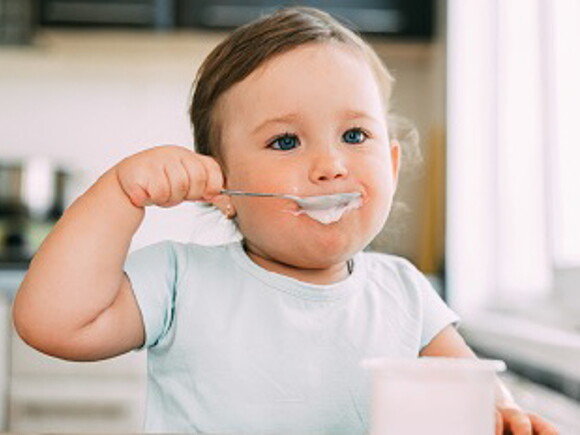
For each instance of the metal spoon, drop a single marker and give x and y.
(319, 202)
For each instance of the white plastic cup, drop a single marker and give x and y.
(433, 395)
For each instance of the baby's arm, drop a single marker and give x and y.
(509, 416)
(75, 301)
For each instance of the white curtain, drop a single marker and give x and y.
(513, 207)
(564, 68)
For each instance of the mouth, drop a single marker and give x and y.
(332, 213)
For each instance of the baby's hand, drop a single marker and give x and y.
(511, 419)
(168, 175)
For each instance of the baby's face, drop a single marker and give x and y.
(308, 122)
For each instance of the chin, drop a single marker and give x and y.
(308, 244)
(323, 252)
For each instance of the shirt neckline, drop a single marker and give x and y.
(295, 287)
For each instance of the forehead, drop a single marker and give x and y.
(315, 78)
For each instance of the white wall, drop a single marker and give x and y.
(89, 100)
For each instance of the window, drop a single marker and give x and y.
(513, 228)
(565, 96)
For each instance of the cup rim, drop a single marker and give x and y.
(385, 364)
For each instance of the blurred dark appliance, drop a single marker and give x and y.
(403, 19)
(141, 13)
(17, 21)
(412, 19)
(32, 197)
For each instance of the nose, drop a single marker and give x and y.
(328, 164)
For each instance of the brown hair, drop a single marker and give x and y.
(249, 46)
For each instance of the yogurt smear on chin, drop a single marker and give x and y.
(331, 214)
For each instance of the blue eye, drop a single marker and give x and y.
(285, 143)
(354, 135)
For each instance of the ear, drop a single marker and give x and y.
(224, 203)
(395, 160)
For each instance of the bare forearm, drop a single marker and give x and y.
(77, 271)
(75, 302)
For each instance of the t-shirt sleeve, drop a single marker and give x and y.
(152, 271)
(435, 313)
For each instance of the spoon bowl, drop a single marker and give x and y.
(318, 202)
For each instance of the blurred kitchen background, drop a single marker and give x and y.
(488, 205)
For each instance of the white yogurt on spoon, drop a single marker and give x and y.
(333, 212)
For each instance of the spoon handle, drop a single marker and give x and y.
(242, 193)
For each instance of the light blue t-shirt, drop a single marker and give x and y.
(234, 348)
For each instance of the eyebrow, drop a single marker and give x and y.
(277, 120)
(290, 117)
(354, 114)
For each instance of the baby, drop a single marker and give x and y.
(265, 334)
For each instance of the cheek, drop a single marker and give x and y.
(263, 221)
(376, 173)
(380, 189)
(265, 178)
(236, 176)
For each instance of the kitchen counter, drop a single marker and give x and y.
(565, 414)
(560, 410)
(549, 355)
(39, 393)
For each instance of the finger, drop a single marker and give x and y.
(215, 179)
(541, 426)
(197, 176)
(498, 423)
(159, 187)
(178, 182)
(518, 423)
